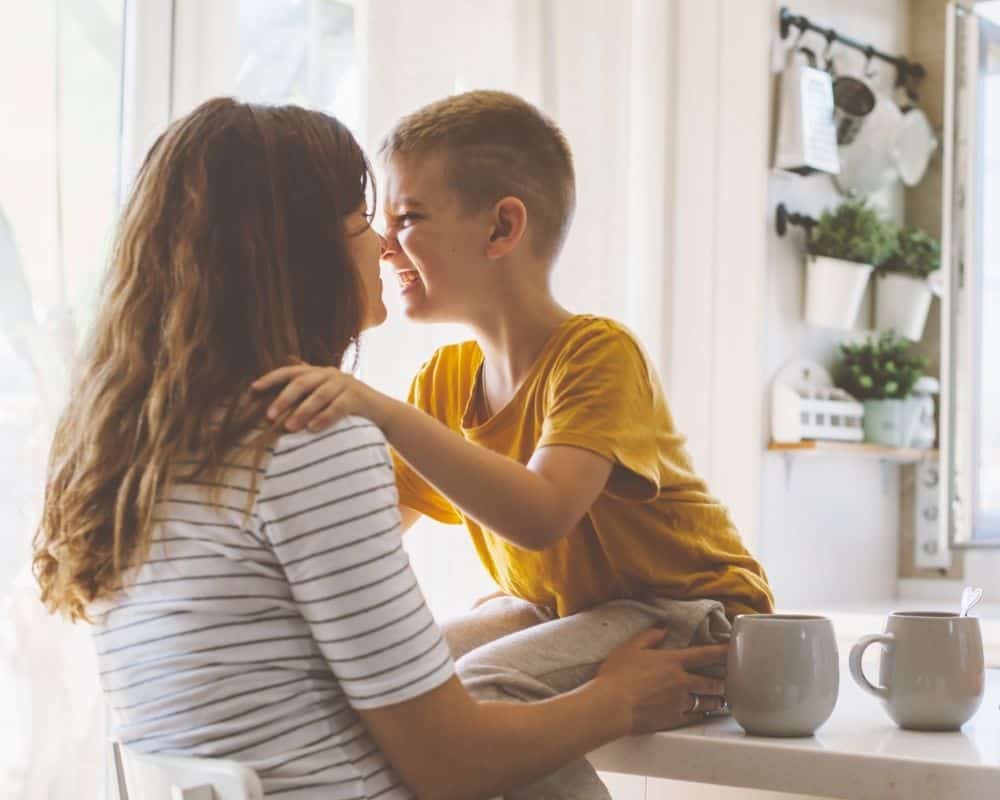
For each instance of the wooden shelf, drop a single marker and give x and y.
(899, 455)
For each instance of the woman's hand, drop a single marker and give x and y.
(658, 685)
(317, 397)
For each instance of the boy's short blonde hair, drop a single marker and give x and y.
(496, 145)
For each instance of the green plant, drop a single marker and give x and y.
(854, 232)
(916, 253)
(879, 368)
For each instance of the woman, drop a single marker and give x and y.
(248, 588)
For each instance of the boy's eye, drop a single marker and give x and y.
(405, 220)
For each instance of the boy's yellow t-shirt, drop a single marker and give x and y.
(653, 531)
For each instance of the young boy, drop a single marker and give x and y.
(548, 436)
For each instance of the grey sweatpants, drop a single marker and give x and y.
(508, 649)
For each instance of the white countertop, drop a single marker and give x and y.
(851, 621)
(859, 754)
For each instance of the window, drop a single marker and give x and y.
(986, 497)
(60, 101)
(973, 423)
(302, 52)
(60, 90)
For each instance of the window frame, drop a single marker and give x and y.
(963, 250)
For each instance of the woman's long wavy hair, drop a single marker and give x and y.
(230, 261)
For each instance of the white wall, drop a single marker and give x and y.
(713, 316)
(829, 524)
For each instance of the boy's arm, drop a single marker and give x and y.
(532, 506)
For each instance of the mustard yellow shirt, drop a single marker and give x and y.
(653, 531)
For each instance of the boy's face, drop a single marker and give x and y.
(434, 246)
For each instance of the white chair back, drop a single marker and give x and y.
(149, 777)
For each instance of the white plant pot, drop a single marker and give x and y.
(834, 291)
(901, 304)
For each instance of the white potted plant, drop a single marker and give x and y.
(881, 373)
(844, 245)
(903, 285)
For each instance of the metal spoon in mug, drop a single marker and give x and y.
(970, 596)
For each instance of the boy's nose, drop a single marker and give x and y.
(389, 246)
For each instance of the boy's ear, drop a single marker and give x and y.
(510, 225)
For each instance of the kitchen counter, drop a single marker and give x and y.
(852, 621)
(859, 754)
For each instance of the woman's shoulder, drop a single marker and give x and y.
(327, 481)
(351, 427)
(350, 435)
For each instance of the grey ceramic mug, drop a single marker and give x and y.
(931, 672)
(782, 673)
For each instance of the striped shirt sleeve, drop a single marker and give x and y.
(329, 508)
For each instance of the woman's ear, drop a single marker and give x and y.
(510, 224)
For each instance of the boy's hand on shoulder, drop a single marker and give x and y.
(531, 505)
(315, 398)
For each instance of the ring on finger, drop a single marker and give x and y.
(696, 705)
(722, 706)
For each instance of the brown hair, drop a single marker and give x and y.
(496, 145)
(230, 261)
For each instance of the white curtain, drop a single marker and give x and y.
(600, 68)
(59, 85)
(53, 734)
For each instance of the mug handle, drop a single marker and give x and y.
(858, 672)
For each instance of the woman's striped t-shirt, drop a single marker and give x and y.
(257, 639)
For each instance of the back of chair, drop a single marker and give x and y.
(148, 777)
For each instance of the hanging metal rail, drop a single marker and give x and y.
(783, 218)
(905, 69)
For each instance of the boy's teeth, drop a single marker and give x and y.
(406, 278)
